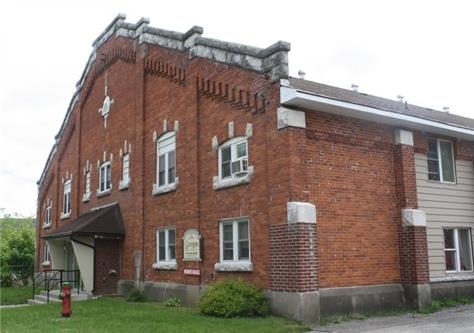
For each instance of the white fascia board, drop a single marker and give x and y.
(301, 99)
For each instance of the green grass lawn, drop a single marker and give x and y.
(15, 295)
(115, 315)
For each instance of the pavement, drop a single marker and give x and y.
(459, 319)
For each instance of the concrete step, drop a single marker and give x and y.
(42, 298)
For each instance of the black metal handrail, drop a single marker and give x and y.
(52, 278)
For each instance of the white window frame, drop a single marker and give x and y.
(48, 219)
(46, 255)
(168, 263)
(235, 264)
(125, 181)
(87, 194)
(457, 251)
(440, 163)
(67, 195)
(240, 170)
(103, 188)
(165, 145)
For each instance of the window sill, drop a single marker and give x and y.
(45, 264)
(165, 266)
(458, 276)
(157, 190)
(219, 184)
(124, 184)
(234, 266)
(104, 193)
(65, 215)
(86, 197)
(441, 182)
(47, 226)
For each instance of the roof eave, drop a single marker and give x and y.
(308, 101)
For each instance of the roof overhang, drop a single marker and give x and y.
(105, 222)
(308, 101)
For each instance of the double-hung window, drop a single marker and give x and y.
(105, 177)
(125, 181)
(87, 193)
(458, 249)
(47, 216)
(441, 160)
(234, 238)
(166, 249)
(233, 158)
(46, 255)
(66, 199)
(166, 179)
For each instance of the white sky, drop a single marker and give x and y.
(422, 50)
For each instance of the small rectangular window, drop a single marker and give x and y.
(88, 182)
(125, 168)
(440, 160)
(458, 249)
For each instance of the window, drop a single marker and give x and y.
(66, 199)
(125, 181)
(47, 216)
(235, 241)
(233, 160)
(105, 175)
(166, 179)
(166, 249)
(88, 182)
(440, 160)
(234, 246)
(87, 194)
(458, 250)
(46, 256)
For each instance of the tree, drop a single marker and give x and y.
(16, 253)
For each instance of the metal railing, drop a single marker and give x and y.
(51, 279)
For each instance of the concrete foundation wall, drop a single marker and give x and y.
(161, 291)
(452, 289)
(303, 307)
(361, 299)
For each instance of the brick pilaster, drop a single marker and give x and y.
(293, 261)
(414, 270)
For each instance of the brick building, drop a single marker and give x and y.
(183, 159)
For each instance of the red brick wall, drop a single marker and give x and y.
(107, 258)
(351, 179)
(293, 261)
(149, 85)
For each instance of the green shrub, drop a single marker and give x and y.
(136, 295)
(173, 302)
(233, 298)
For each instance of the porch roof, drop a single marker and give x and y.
(101, 222)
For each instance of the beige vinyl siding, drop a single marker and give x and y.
(445, 205)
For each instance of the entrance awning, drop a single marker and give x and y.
(101, 222)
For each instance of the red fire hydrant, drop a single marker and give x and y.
(65, 296)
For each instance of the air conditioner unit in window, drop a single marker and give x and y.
(239, 167)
